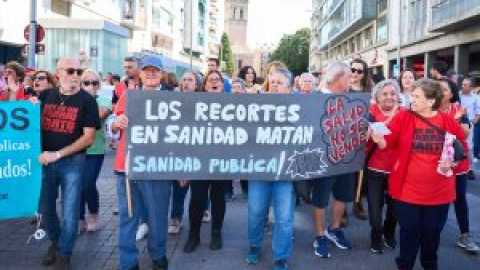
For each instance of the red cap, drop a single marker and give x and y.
(29, 69)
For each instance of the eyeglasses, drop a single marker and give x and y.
(213, 80)
(93, 83)
(358, 71)
(39, 78)
(71, 71)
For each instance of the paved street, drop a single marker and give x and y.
(98, 250)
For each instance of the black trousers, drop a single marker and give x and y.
(199, 196)
(420, 228)
(377, 196)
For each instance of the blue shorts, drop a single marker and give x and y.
(340, 185)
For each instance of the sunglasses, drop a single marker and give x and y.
(39, 78)
(71, 71)
(93, 83)
(358, 71)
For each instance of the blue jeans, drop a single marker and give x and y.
(461, 205)
(260, 193)
(178, 200)
(68, 174)
(476, 139)
(90, 196)
(155, 196)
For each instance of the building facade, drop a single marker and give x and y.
(236, 23)
(96, 31)
(348, 29)
(431, 30)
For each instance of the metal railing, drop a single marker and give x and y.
(444, 11)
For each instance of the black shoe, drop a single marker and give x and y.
(376, 247)
(160, 264)
(390, 242)
(51, 255)
(62, 263)
(192, 243)
(471, 175)
(376, 241)
(280, 265)
(216, 242)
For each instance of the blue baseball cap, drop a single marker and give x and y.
(151, 61)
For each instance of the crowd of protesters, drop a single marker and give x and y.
(404, 170)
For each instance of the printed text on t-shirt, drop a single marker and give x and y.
(427, 141)
(58, 118)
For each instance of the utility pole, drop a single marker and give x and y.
(32, 35)
(191, 34)
(399, 43)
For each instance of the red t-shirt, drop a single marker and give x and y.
(423, 184)
(381, 160)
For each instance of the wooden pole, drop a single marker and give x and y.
(127, 185)
(359, 186)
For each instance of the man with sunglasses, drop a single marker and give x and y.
(153, 195)
(69, 118)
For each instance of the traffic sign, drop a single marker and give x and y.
(39, 49)
(39, 34)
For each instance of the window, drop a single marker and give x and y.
(382, 29)
(201, 15)
(234, 13)
(368, 41)
(240, 64)
(381, 6)
(417, 19)
(241, 14)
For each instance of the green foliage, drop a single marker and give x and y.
(226, 55)
(293, 50)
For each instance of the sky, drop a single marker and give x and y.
(269, 20)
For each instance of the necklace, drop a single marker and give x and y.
(62, 99)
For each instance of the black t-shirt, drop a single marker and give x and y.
(64, 117)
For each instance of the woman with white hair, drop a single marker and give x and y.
(386, 95)
(91, 82)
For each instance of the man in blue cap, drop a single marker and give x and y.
(153, 194)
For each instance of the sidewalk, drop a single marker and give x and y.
(99, 250)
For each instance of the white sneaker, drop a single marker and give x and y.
(174, 226)
(475, 160)
(142, 231)
(206, 216)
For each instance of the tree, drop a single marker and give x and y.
(293, 51)
(226, 54)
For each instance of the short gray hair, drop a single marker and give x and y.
(379, 87)
(335, 70)
(287, 74)
(240, 81)
(309, 75)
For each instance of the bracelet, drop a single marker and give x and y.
(59, 155)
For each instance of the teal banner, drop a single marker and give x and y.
(20, 171)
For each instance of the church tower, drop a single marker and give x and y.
(236, 19)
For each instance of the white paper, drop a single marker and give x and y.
(380, 128)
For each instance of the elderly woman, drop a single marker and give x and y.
(201, 189)
(280, 193)
(307, 83)
(14, 90)
(422, 183)
(42, 80)
(379, 165)
(189, 83)
(91, 83)
(451, 107)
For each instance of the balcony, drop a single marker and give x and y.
(452, 15)
(347, 17)
(134, 14)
